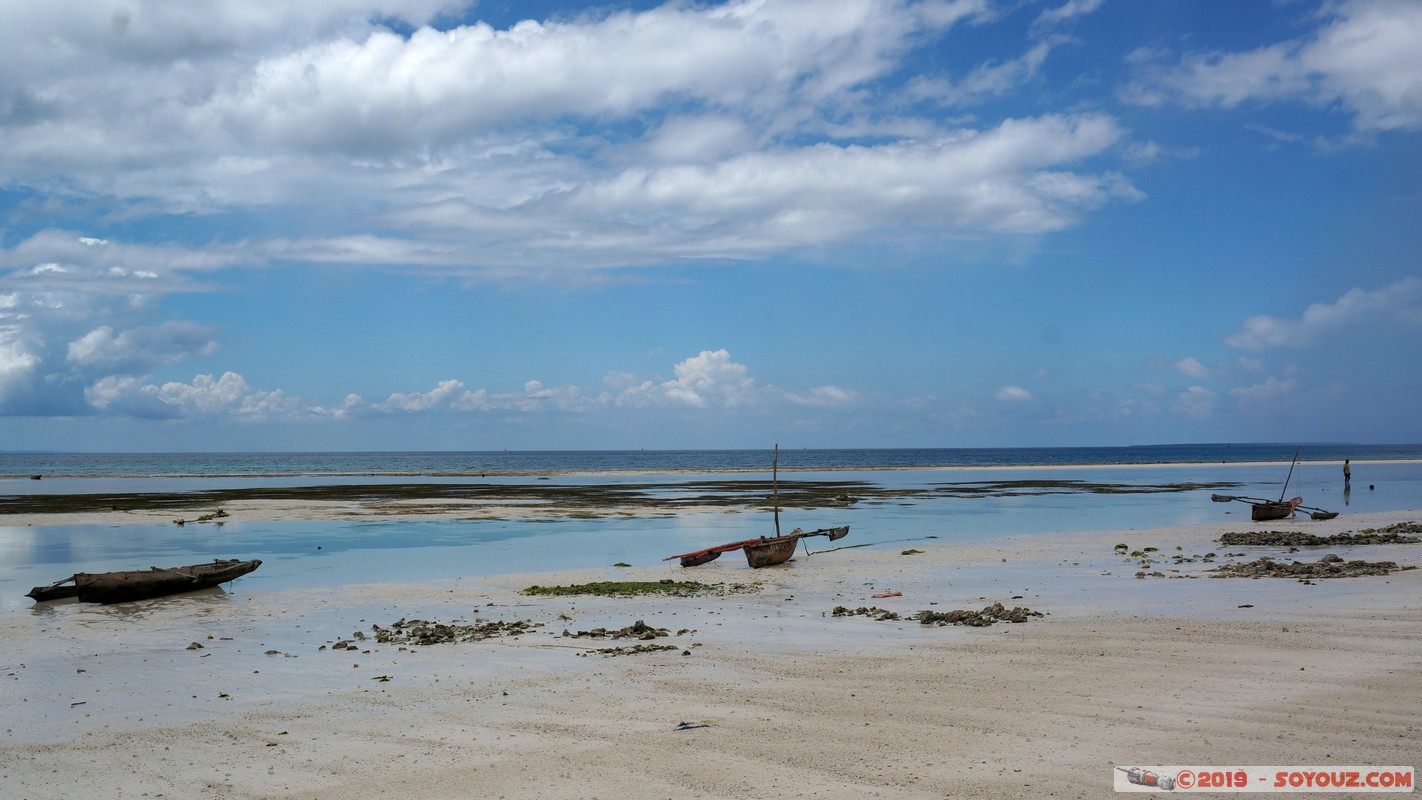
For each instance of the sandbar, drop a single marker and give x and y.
(766, 694)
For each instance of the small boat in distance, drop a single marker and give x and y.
(764, 551)
(119, 587)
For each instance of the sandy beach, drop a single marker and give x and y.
(764, 691)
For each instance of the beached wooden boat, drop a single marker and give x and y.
(769, 552)
(1263, 510)
(118, 587)
(1270, 509)
(764, 551)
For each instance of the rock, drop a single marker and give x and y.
(423, 632)
(1392, 534)
(1329, 566)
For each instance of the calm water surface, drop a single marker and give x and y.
(330, 553)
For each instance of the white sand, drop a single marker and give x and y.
(795, 702)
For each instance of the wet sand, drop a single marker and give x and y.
(781, 697)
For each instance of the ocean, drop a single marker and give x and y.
(506, 463)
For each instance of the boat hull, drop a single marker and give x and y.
(700, 558)
(1260, 512)
(769, 552)
(119, 587)
(44, 594)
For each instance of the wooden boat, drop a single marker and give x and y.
(1261, 510)
(764, 551)
(769, 552)
(119, 587)
(1270, 509)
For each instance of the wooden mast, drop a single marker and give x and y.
(775, 485)
(1292, 464)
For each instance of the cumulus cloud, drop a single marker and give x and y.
(706, 379)
(17, 366)
(747, 121)
(141, 349)
(709, 381)
(1363, 57)
(445, 393)
(451, 395)
(74, 308)
(1013, 394)
(1397, 303)
(228, 396)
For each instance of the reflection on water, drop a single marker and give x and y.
(331, 553)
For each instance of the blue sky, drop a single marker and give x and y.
(412, 224)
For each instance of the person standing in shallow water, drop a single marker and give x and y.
(1347, 473)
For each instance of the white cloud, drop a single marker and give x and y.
(228, 396)
(141, 349)
(1013, 394)
(1067, 11)
(1196, 401)
(1264, 396)
(708, 379)
(986, 81)
(698, 139)
(512, 148)
(1399, 302)
(207, 396)
(1364, 57)
(537, 397)
(1190, 367)
(17, 366)
(350, 406)
(445, 393)
(824, 397)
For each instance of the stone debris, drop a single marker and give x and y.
(976, 619)
(881, 614)
(426, 632)
(1391, 534)
(637, 630)
(608, 652)
(1330, 566)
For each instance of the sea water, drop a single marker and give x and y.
(324, 553)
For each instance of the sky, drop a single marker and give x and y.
(429, 225)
